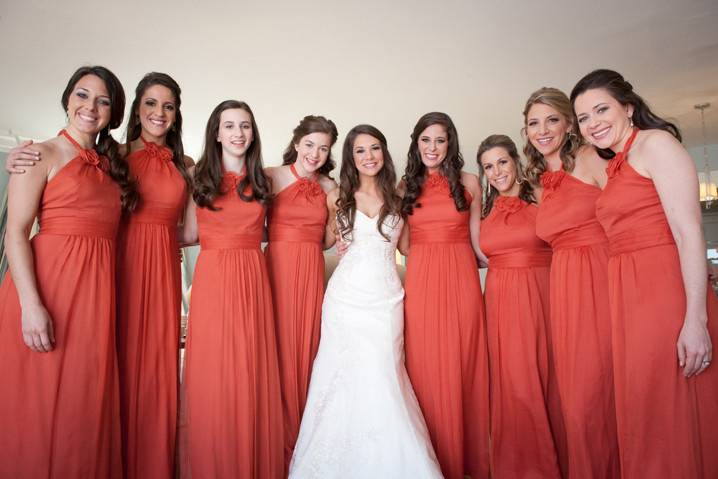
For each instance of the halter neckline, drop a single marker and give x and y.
(74, 142)
(311, 177)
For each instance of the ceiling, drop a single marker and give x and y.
(378, 62)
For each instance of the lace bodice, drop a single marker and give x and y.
(370, 256)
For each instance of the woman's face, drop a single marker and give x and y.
(88, 107)
(368, 155)
(546, 128)
(312, 152)
(500, 170)
(157, 112)
(603, 121)
(235, 132)
(433, 145)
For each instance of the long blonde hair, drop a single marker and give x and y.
(556, 99)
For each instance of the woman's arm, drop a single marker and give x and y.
(330, 231)
(24, 195)
(187, 232)
(674, 175)
(471, 183)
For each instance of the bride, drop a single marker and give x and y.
(362, 419)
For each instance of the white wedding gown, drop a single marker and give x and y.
(362, 419)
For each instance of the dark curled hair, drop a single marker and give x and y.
(349, 183)
(622, 91)
(312, 124)
(415, 173)
(174, 135)
(106, 145)
(526, 190)
(208, 172)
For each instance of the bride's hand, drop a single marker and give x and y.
(341, 246)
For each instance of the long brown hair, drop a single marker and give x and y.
(106, 145)
(526, 190)
(208, 173)
(622, 91)
(415, 173)
(312, 124)
(536, 163)
(174, 135)
(349, 183)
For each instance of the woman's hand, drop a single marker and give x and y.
(37, 330)
(695, 351)
(21, 156)
(341, 246)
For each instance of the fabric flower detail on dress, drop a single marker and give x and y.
(91, 157)
(160, 152)
(437, 180)
(508, 205)
(230, 181)
(615, 164)
(309, 188)
(550, 181)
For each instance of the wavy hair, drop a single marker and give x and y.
(349, 183)
(106, 145)
(208, 172)
(526, 190)
(415, 173)
(536, 163)
(312, 124)
(174, 135)
(622, 91)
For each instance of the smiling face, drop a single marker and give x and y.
(500, 171)
(157, 112)
(546, 129)
(88, 106)
(433, 144)
(235, 132)
(603, 121)
(312, 152)
(368, 155)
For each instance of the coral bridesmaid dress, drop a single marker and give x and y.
(667, 424)
(297, 221)
(234, 405)
(525, 412)
(148, 320)
(59, 411)
(445, 336)
(580, 323)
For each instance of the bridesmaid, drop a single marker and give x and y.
(517, 314)
(149, 280)
(297, 235)
(572, 176)
(148, 277)
(59, 404)
(667, 406)
(234, 409)
(444, 313)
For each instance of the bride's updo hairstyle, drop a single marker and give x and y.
(349, 183)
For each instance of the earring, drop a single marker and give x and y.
(630, 121)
